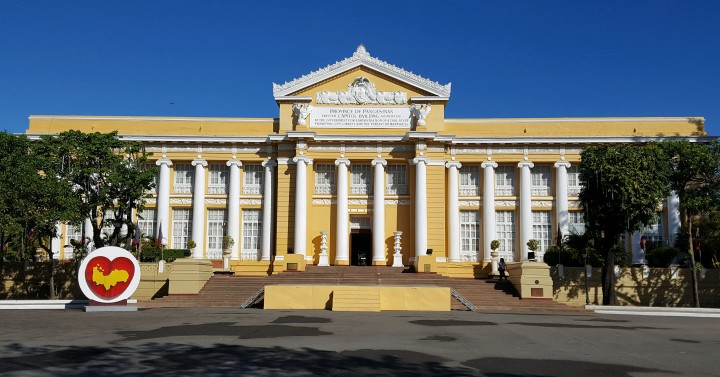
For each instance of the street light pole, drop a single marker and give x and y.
(587, 296)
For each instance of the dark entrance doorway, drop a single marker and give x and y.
(361, 247)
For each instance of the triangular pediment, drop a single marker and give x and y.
(361, 58)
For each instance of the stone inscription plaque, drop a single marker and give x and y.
(360, 117)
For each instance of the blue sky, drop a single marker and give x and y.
(220, 58)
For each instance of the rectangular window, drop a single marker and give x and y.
(324, 179)
(469, 236)
(72, 233)
(361, 178)
(505, 233)
(576, 222)
(505, 180)
(218, 179)
(181, 228)
(146, 222)
(541, 178)
(654, 233)
(252, 184)
(252, 234)
(573, 176)
(542, 231)
(396, 180)
(183, 178)
(470, 180)
(216, 232)
(107, 226)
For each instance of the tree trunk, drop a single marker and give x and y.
(693, 270)
(52, 272)
(608, 270)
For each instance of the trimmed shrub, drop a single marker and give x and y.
(661, 256)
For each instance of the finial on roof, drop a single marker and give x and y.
(361, 51)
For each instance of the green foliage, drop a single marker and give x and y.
(106, 172)
(153, 254)
(191, 244)
(553, 256)
(494, 245)
(228, 242)
(661, 256)
(533, 245)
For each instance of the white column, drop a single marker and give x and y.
(233, 208)
(453, 211)
(342, 252)
(163, 199)
(378, 235)
(525, 208)
(198, 222)
(488, 207)
(267, 208)
(638, 254)
(56, 243)
(673, 210)
(420, 205)
(561, 197)
(301, 206)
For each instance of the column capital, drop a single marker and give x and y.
(234, 162)
(342, 161)
(564, 164)
(269, 163)
(163, 161)
(489, 164)
(199, 162)
(528, 164)
(418, 160)
(453, 164)
(379, 161)
(304, 159)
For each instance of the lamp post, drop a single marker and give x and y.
(587, 296)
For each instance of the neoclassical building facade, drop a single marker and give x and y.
(361, 167)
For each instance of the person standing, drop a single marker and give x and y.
(501, 268)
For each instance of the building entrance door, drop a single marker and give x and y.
(361, 247)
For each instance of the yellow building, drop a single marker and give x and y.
(361, 167)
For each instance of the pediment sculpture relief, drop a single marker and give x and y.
(361, 92)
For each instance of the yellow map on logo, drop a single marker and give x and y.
(110, 280)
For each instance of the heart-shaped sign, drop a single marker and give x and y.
(109, 274)
(109, 279)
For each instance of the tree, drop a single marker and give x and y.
(622, 187)
(34, 198)
(695, 178)
(108, 174)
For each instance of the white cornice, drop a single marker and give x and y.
(361, 57)
(301, 134)
(421, 135)
(196, 139)
(152, 118)
(360, 138)
(427, 99)
(294, 98)
(575, 139)
(574, 120)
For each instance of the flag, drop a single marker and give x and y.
(160, 235)
(696, 243)
(136, 241)
(32, 234)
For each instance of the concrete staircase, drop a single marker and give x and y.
(484, 294)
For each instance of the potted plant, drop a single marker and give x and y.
(494, 245)
(533, 245)
(191, 244)
(227, 244)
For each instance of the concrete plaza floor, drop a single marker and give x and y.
(254, 342)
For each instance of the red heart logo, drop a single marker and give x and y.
(109, 279)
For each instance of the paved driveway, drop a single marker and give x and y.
(252, 342)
